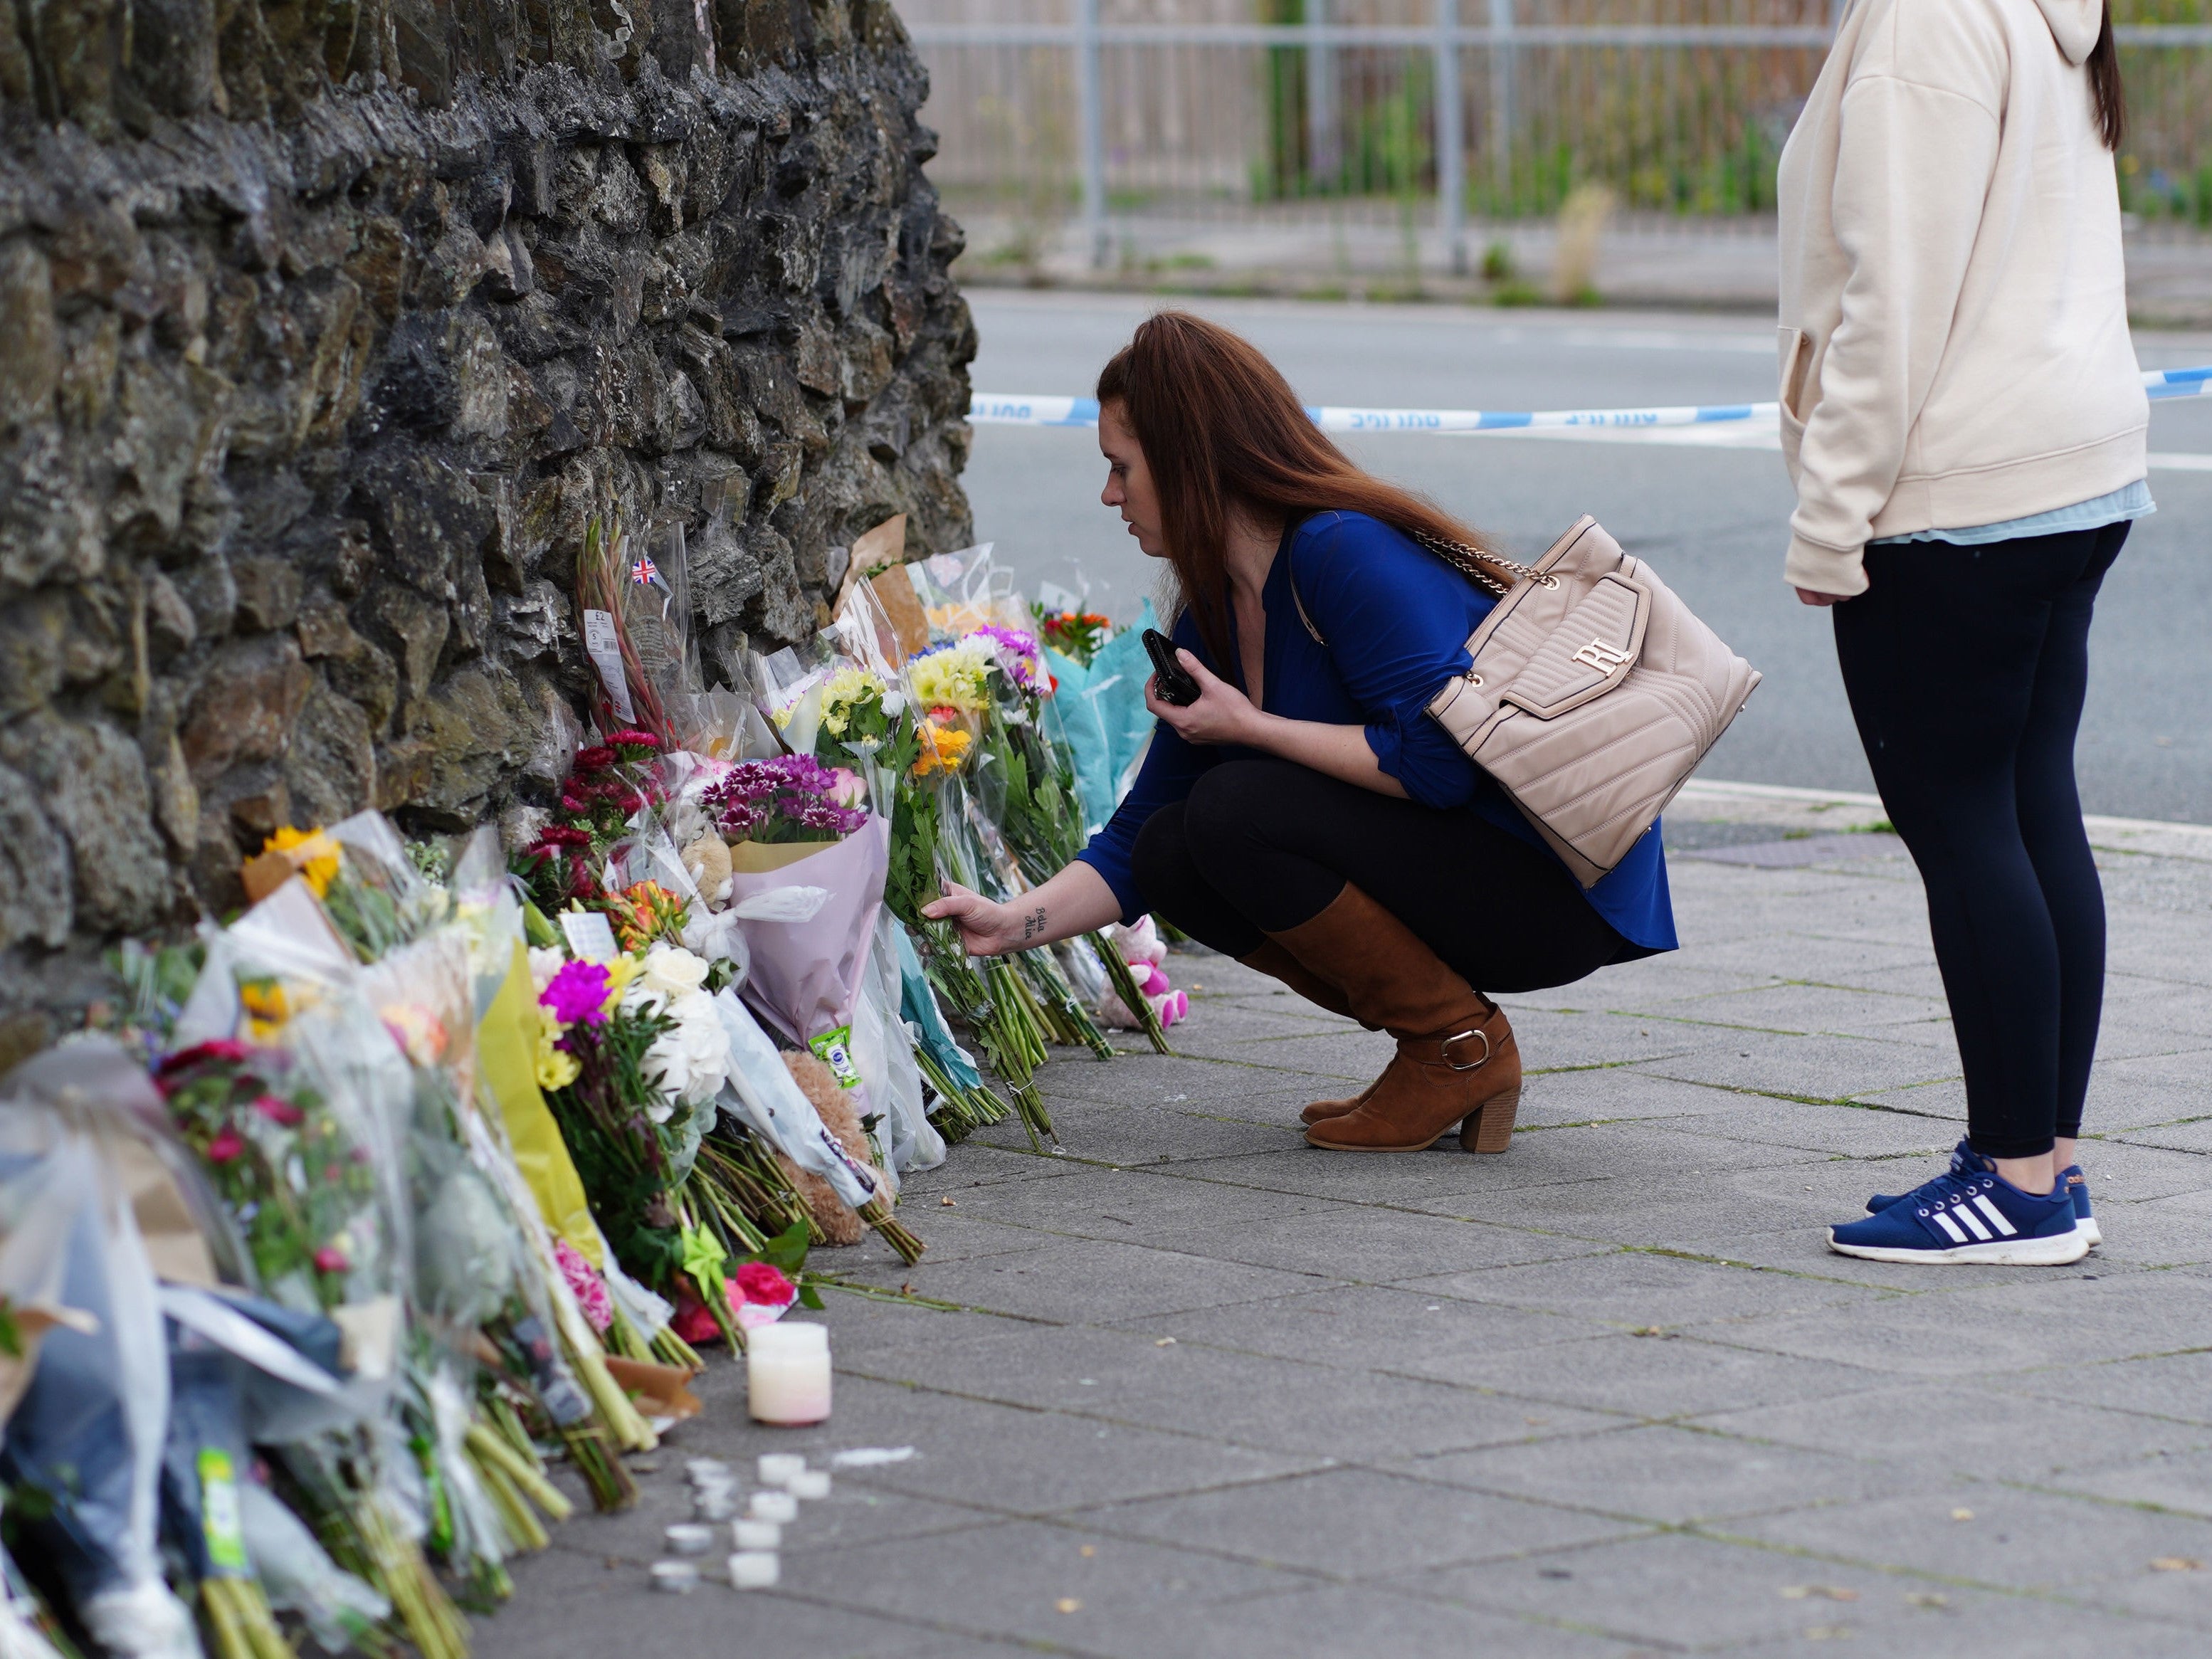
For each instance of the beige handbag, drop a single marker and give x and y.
(1593, 694)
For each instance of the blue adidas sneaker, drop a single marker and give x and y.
(2076, 1183)
(1969, 1213)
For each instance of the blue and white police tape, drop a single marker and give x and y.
(989, 409)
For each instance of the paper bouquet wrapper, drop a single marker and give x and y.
(805, 975)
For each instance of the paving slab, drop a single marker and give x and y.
(1378, 1525)
(2025, 1439)
(1184, 1386)
(1678, 1591)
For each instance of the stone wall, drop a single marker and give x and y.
(325, 324)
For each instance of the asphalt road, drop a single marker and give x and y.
(1711, 520)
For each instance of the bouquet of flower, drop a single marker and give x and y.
(608, 783)
(609, 569)
(947, 688)
(288, 1170)
(792, 798)
(1032, 804)
(1076, 634)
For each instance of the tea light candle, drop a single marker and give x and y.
(756, 1535)
(678, 1577)
(753, 1570)
(780, 1507)
(810, 1483)
(688, 1538)
(702, 1470)
(776, 1469)
(715, 1506)
(788, 1373)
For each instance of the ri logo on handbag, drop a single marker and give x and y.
(1606, 658)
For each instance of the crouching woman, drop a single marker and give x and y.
(1304, 814)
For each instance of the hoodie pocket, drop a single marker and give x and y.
(1796, 351)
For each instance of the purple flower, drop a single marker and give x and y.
(754, 798)
(577, 994)
(1019, 658)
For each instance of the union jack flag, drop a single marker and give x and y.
(643, 571)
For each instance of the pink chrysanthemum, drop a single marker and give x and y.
(591, 1290)
(577, 994)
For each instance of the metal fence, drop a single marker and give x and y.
(1105, 111)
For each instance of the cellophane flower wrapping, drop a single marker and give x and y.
(87, 1433)
(805, 975)
(761, 1095)
(883, 1048)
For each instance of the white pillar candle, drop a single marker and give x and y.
(788, 1373)
(689, 1538)
(753, 1570)
(780, 1507)
(810, 1483)
(756, 1535)
(776, 1469)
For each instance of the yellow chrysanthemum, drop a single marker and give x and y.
(312, 853)
(556, 1068)
(954, 677)
(620, 972)
(266, 1008)
(848, 688)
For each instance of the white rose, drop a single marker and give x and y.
(690, 1059)
(672, 970)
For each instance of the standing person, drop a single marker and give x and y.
(1965, 422)
(1304, 814)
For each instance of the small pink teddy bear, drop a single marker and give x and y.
(1142, 949)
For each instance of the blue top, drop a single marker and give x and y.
(1397, 620)
(2132, 501)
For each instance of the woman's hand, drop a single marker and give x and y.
(1222, 714)
(1808, 596)
(987, 929)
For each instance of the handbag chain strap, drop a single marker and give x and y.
(1482, 567)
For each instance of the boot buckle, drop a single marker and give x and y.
(1444, 1050)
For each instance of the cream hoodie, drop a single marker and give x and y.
(1954, 341)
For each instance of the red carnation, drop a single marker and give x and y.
(218, 1048)
(759, 1281)
(277, 1110)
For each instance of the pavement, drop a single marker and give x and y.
(1708, 507)
(1184, 1386)
(1362, 251)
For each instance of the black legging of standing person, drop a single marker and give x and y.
(1261, 846)
(1966, 668)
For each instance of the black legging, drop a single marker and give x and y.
(1967, 667)
(1261, 846)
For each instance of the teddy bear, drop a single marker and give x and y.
(1142, 949)
(836, 1222)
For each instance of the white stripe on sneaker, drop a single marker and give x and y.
(1995, 1215)
(1973, 1224)
(1943, 1220)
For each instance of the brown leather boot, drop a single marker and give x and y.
(1273, 959)
(1456, 1062)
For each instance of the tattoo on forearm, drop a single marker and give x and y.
(1032, 925)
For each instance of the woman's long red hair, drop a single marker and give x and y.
(1222, 430)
